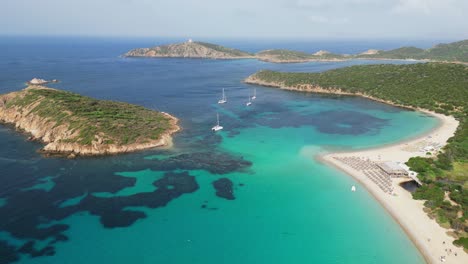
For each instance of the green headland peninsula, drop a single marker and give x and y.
(456, 52)
(71, 124)
(441, 88)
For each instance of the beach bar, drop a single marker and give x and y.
(392, 168)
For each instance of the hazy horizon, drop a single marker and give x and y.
(242, 19)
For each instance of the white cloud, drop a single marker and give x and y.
(333, 3)
(427, 7)
(319, 19)
(240, 18)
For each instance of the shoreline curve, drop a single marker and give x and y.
(406, 211)
(427, 235)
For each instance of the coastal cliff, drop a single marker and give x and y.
(190, 50)
(71, 124)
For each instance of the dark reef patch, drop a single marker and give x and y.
(116, 218)
(36, 216)
(111, 210)
(25, 219)
(328, 122)
(347, 122)
(224, 189)
(29, 248)
(216, 163)
(7, 253)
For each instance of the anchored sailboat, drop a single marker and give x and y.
(217, 127)
(223, 99)
(249, 102)
(255, 94)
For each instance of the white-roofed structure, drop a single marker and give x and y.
(392, 168)
(396, 169)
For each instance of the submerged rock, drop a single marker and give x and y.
(224, 189)
(216, 163)
(7, 253)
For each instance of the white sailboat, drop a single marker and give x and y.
(353, 188)
(255, 94)
(217, 127)
(249, 102)
(223, 99)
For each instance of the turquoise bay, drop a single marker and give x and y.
(289, 208)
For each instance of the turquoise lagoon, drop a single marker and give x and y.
(288, 207)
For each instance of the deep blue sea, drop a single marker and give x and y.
(170, 206)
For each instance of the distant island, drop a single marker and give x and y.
(438, 87)
(71, 124)
(190, 49)
(456, 52)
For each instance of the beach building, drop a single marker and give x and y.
(393, 169)
(411, 174)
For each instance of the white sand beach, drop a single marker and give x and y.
(431, 239)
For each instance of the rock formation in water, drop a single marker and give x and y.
(224, 188)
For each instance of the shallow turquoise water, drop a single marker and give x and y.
(292, 209)
(288, 207)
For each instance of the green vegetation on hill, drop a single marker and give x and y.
(434, 86)
(290, 55)
(284, 54)
(233, 52)
(439, 87)
(401, 53)
(452, 52)
(456, 51)
(118, 123)
(191, 50)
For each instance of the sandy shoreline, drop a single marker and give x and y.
(431, 239)
(426, 233)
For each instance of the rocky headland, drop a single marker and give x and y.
(70, 124)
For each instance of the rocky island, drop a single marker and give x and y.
(71, 124)
(190, 49)
(456, 52)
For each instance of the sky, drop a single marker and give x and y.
(281, 19)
